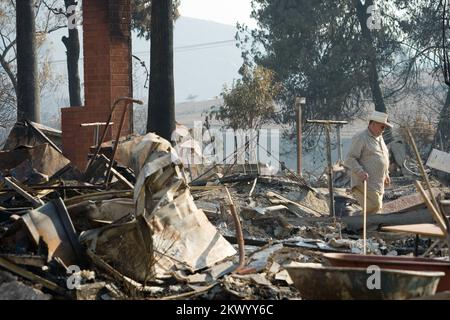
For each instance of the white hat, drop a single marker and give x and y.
(381, 118)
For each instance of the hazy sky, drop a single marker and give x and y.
(223, 11)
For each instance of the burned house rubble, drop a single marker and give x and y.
(149, 227)
(97, 212)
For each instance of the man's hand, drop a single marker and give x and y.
(387, 181)
(363, 175)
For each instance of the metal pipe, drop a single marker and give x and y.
(102, 139)
(365, 218)
(107, 126)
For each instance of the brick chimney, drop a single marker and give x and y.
(107, 76)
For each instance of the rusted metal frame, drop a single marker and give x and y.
(102, 139)
(128, 102)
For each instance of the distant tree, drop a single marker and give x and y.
(370, 53)
(321, 50)
(27, 70)
(8, 79)
(71, 42)
(424, 27)
(68, 9)
(8, 60)
(161, 101)
(250, 102)
(141, 16)
(442, 137)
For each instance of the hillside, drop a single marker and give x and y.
(205, 58)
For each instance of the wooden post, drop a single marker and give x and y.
(434, 212)
(365, 218)
(298, 111)
(338, 129)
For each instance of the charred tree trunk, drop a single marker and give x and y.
(27, 70)
(72, 43)
(374, 82)
(442, 137)
(161, 102)
(371, 58)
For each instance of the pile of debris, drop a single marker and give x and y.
(133, 226)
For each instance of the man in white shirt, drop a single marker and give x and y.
(368, 159)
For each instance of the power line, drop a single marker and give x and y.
(198, 46)
(187, 48)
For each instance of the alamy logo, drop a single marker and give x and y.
(74, 280)
(214, 145)
(74, 17)
(374, 280)
(374, 21)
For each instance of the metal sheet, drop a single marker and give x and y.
(52, 223)
(199, 243)
(180, 233)
(43, 158)
(439, 160)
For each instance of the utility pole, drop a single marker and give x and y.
(299, 101)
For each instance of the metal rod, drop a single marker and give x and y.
(102, 139)
(80, 187)
(330, 171)
(338, 129)
(107, 126)
(298, 111)
(128, 102)
(326, 121)
(239, 234)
